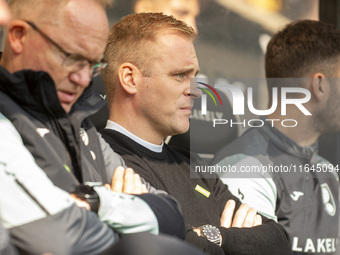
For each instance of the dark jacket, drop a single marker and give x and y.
(66, 146)
(294, 184)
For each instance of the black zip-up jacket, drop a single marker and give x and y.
(66, 146)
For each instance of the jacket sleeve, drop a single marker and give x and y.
(153, 213)
(38, 215)
(168, 214)
(203, 243)
(266, 239)
(259, 192)
(125, 213)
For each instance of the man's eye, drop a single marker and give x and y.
(181, 76)
(75, 60)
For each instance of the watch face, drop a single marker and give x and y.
(210, 232)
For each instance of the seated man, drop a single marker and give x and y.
(43, 218)
(151, 58)
(305, 200)
(29, 202)
(49, 108)
(42, 94)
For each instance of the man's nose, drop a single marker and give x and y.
(81, 77)
(194, 91)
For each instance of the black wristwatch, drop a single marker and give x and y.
(89, 195)
(212, 233)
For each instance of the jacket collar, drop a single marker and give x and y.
(285, 143)
(36, 91)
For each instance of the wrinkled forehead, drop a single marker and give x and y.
(85, 23)
(79, 26)
(84, 13)
(29, 9)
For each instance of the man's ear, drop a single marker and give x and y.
(17, 33)
(319, 86)
(129, 76)
(143, 6)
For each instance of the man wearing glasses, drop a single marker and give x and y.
(50, 55)
(51, 52)
(49, 108)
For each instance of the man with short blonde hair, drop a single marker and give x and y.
(151, 60)
(134, 45)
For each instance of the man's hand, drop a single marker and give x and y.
(127, 181)
(245, 217)
(80, 203)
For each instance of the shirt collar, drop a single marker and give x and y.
(153, 147)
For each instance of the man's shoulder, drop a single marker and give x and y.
(134, 154)
(116, 140)
(183, 154)
(252, 143)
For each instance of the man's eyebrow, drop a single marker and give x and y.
(187, 70)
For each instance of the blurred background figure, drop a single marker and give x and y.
(270, 5)
(4, 13)
(185, 10)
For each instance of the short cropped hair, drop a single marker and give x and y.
(303, 48)
(130, 40)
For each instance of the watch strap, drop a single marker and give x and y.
(88, 194)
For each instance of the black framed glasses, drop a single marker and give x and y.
(72, 62)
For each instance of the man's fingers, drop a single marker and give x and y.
(240, 216)
(258, 220)
(117, 181)
(140, 188)
(129, 181)
(227, 214)
(250, 218)
(137, 184)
